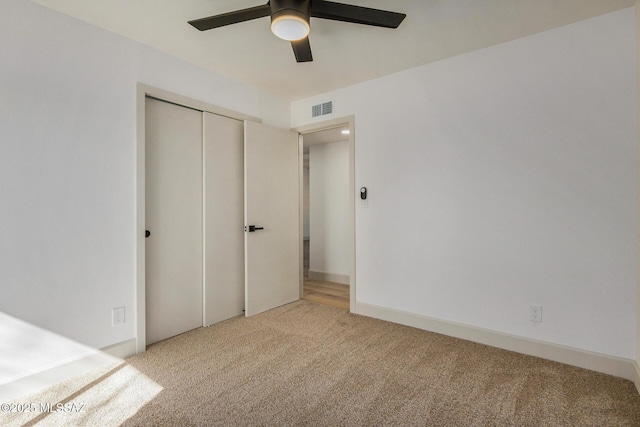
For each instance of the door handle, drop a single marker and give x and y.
(147, 233)
(252, 228)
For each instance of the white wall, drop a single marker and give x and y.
(329, 209)
(504, 177)
(68, 169)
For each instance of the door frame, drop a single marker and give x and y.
(142, 92)
(349, 122)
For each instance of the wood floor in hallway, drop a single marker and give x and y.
(327, 293)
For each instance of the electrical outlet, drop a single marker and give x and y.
(117, 316)
(535, 313)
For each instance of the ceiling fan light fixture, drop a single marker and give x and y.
(290, 27)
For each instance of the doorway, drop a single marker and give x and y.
(328, 242)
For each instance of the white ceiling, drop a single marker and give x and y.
(344, 54)
(324, 137)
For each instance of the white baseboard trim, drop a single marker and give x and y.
(611, 365)
(121, 350)
(64, 370)
(636, 375)
(329, 277)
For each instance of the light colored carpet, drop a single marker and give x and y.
(308, 364)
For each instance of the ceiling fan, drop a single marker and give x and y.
(290, 19)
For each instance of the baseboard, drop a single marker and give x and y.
(636, 375)
(64, 370)
(121, 350)
(611, 365)
(329, 277)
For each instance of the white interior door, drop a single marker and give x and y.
(173, 168)
(272, 254)
(224, 217)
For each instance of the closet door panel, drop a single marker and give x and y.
(173, 174)
(224, 211)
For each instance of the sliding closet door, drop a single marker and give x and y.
(173, 163)
(224, 211)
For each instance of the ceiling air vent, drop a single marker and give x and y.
(322, 109)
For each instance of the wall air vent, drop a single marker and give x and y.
(322, 109)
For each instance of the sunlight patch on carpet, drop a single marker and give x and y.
(105, 398)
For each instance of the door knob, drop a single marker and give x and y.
(147, 233)
(252, 228)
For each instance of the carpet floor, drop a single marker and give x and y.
(308, 364)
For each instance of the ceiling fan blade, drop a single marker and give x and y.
(356, 14)
(231, 17)
(302, 50)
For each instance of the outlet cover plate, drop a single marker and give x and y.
(117, 316)
(535, 313)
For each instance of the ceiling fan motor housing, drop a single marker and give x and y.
(297, 8)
